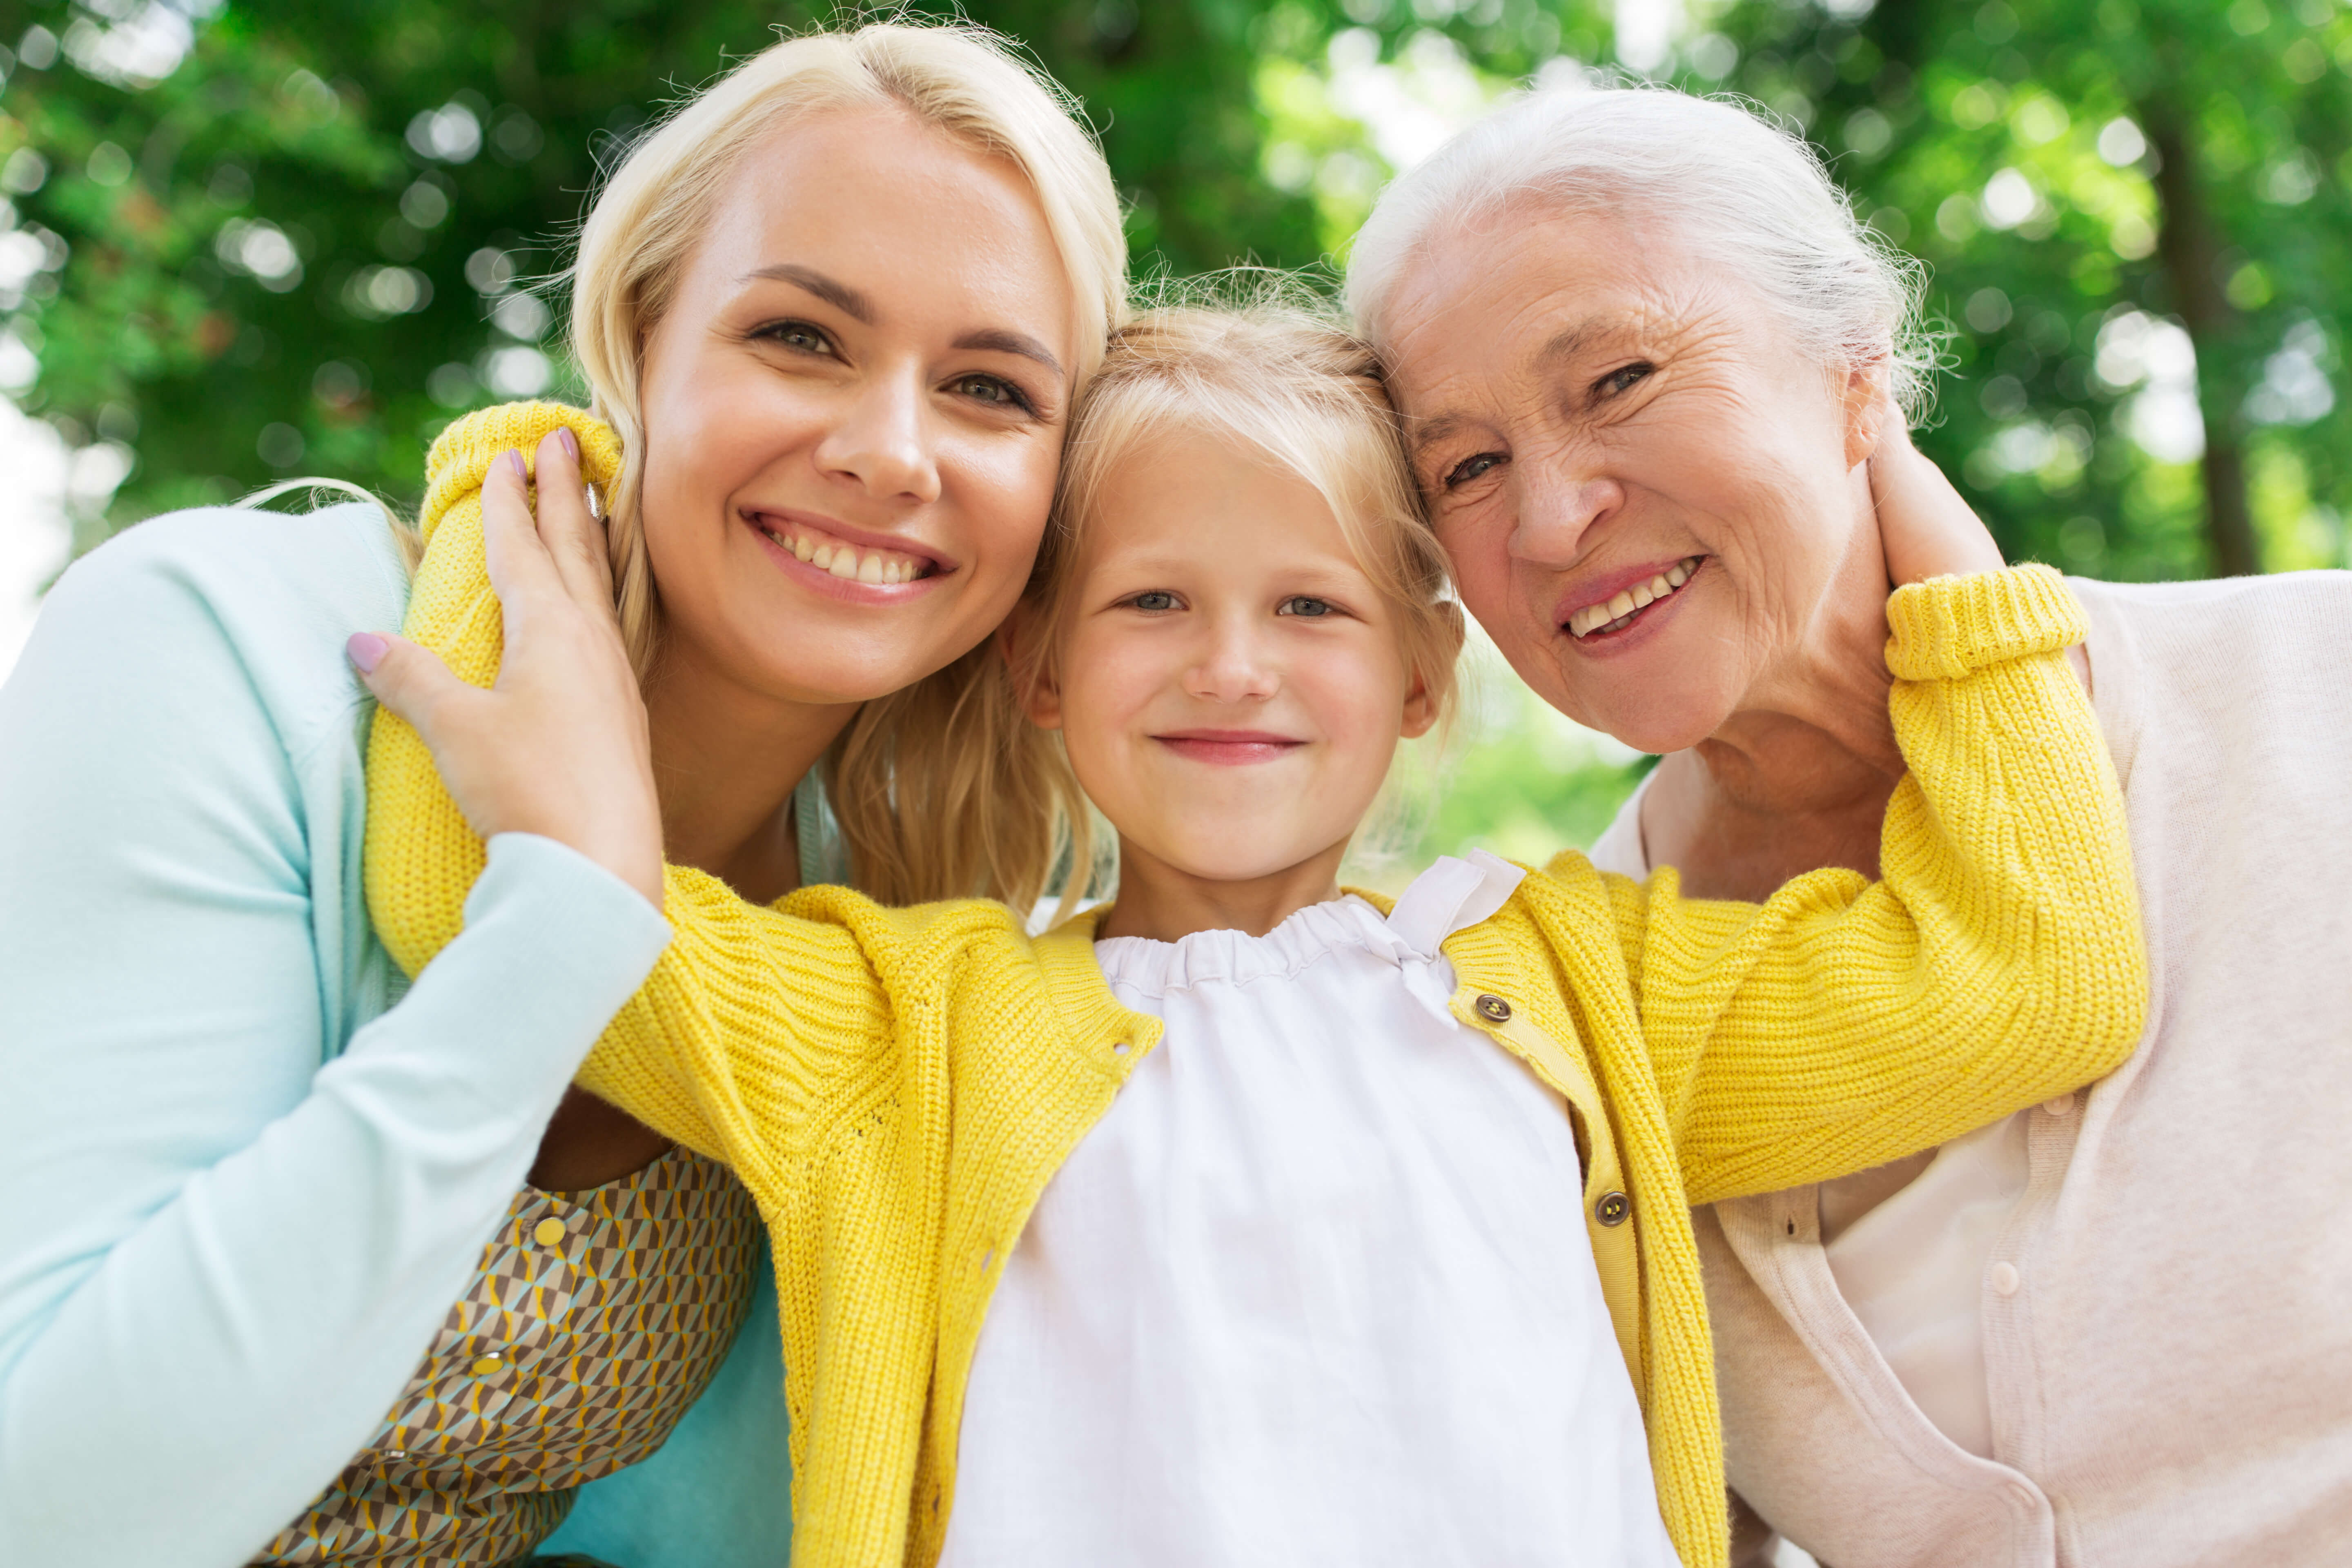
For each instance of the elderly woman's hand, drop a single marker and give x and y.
(558, 746)
(1925, 528)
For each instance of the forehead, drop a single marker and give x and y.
(900, 203)
(1208, 496)
(1536, 280)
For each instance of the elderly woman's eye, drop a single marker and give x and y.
(1306, 605)
(1469, 468)
(1623, 376)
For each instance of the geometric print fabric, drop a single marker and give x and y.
(595, 1320)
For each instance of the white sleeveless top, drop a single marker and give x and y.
(1315, 1289)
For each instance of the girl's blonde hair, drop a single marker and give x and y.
(1278, 377)
(931, 801)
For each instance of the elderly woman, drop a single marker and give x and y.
(1645, 349)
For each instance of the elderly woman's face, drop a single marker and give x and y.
(1648, 492)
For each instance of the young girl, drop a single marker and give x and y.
(1246, 1220)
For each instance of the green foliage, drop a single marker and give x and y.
(306, 245)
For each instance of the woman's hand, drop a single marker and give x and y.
(558, 746)
(1924, 527)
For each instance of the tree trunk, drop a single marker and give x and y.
(2190, 253)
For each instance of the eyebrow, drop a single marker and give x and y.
(1566, 344)
(832, 291)
(996, 340)
(1570, 342)
(858, 306)
(1427, 433)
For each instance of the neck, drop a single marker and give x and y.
(1799, 775)
(726, 762)
(1166, 903)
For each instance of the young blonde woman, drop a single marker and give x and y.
(835, 308)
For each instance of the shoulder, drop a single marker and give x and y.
(240, 558)
(220, 606)
(2226, 639)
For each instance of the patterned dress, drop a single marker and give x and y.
(595, 1319)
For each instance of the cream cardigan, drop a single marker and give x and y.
(2168, 1316)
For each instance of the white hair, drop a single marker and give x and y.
(1731, 182)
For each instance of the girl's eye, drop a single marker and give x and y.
(1306, 605)
(799, 335)
(1473, 468)
(992, 390)
(1623, 378)
(1155, 599)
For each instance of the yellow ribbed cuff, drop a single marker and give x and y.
(462, 454)
(1948, 627)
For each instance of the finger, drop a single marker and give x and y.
(520, 572)
(573, 538)
(411, 681)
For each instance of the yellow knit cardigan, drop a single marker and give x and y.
(897, 1086)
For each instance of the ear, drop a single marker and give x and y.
(1866, 401)
(1421, 707)
(1039, 694)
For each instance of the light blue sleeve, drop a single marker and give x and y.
(236, 1195)
(718, 1494)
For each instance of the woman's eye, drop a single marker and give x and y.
(798, 335)
(1470, 468)
(992, 390)
(1304, 604)
(1623, 378)
(1157, 599)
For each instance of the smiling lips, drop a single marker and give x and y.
(839, 558)
(1229, 748)
(1617, 613)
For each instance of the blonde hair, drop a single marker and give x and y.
(916, 781)
(1274, 374)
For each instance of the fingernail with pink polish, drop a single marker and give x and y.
(571, 442)
(514, 461)
(365, 649)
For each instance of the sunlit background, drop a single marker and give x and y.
(244, 241)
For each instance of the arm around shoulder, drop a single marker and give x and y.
(1999, 962)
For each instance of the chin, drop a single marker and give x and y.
(1660, 712)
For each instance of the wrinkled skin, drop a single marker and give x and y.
(1589, 396)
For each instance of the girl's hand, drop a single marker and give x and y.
(559, 745)
(1924, 527)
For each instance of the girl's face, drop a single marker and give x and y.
(1232, 687)
(853, 412)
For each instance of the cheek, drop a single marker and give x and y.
(1477, 555)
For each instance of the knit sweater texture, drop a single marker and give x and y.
(897, 1086)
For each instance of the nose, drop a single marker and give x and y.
(1560, 497)
(882, 440)
(1233, 666)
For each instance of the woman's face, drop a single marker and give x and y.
(1648, 493)
(853, 412)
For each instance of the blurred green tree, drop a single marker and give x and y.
(240, 240)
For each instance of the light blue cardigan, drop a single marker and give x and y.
(242, 1175)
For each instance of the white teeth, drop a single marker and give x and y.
(1619, 609)
(877, 567)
